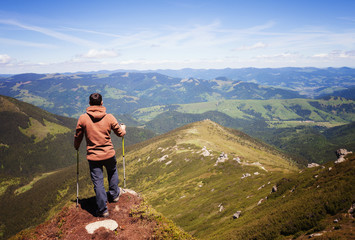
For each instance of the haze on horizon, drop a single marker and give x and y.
(69, 36)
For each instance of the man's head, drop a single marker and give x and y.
(95, 99)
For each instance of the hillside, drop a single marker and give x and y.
(30, 136)
(345, 93)
(202, 173)
(200, 176)
(313, 144)
(294, 125)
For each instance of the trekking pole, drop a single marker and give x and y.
(77, 178)
(124, 165)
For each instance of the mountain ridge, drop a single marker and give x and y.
(126, 91)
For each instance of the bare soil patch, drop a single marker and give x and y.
(70, 223)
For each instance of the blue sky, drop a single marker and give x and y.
(72, 35)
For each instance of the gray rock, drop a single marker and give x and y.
(341, 153)
(108, 224)
(237, 159)
(237, 214)
(274, 189)
(205, 152)
(221, 208)
(312, 165)
(246, 175)
(315, 235)
(222, 158)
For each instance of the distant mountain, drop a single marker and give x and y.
(308, 81)
(346, 93)
(125, 92)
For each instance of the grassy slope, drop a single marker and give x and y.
(302, 205)
(295, 126)
(189, 189)
(30, 138)
(313, 144)
(201, 198)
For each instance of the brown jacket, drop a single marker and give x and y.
(96, 124)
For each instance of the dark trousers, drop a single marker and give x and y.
(97, 177)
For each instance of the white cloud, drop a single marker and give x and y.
(336, 54)
(49, 32)
(285, 55)
(103, 53)
(5, 59)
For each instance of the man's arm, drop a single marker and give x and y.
(118, 129)
(79, 134)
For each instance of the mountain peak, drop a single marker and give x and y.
(207, 134)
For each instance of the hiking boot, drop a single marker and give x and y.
(118, 197)
(104, 214)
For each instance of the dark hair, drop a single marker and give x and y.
(95, 99)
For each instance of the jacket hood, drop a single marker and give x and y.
(96, 112)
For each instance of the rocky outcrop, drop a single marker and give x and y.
(222, 158)
(312, 165)
(237, 159)
(341, 153)
(205, 152)
(245, 175)
(163, 158)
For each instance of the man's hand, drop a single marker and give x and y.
(123, 129)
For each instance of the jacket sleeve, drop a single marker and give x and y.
(79, 134)
(116, 127)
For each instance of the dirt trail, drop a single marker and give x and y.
(70, 223)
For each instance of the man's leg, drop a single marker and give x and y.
(97, 177)
(112, 175)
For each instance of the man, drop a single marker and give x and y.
(96, 125)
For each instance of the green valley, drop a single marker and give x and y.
(277, 113)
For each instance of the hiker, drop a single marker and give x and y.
(96, 124)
